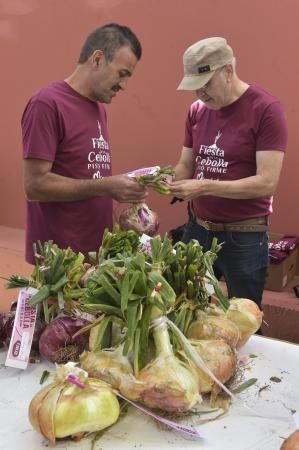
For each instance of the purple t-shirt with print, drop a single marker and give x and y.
(61, 126)
(224, 144)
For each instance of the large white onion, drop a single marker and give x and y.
(62, 409)
(246, 315)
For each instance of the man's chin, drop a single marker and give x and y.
(210, 105)
(105, 99)
(109, 97)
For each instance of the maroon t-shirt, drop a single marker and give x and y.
(224, 144)
(61, 126)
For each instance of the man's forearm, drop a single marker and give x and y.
(51, 187)
(183, 172)
(246, 188)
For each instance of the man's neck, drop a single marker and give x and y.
(78, 81)
(238, 89)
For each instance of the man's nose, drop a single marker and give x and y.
(123, 83)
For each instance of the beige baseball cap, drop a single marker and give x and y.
(202, 59)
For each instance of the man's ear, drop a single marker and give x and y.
(97, 57)
(229, 69)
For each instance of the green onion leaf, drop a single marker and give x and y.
(244, 385)
(44, 376)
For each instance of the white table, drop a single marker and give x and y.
(235, 431)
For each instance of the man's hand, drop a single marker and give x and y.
(185, 189)
(124, 189)
(168, 179)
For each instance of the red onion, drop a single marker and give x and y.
(40, 325)
(57, 344)
(139, 218)
(6, 325)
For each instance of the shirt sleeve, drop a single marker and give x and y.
(40, 131)
(272, 133)
(188, 140)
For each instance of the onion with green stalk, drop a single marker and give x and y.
(169, 383)
(141, 294)
(56, 275)
(155, 179)
(139, 217)
(189, 273)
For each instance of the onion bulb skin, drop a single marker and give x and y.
(247, 316)
(140, 218)
(115, 369)
(169, 384)
(62, 409)
(220, 358)
(214, 327)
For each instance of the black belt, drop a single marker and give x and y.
(249, 225)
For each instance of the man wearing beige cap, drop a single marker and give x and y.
(235, 139)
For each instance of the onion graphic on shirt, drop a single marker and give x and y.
(216, 139)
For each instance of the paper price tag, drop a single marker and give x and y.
(144, 171)
(23, 330)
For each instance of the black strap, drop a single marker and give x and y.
(176, 199)
(191, 216)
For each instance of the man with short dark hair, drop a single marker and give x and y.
(67, 161)
(235, 139)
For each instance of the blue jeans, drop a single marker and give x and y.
(242, 260)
